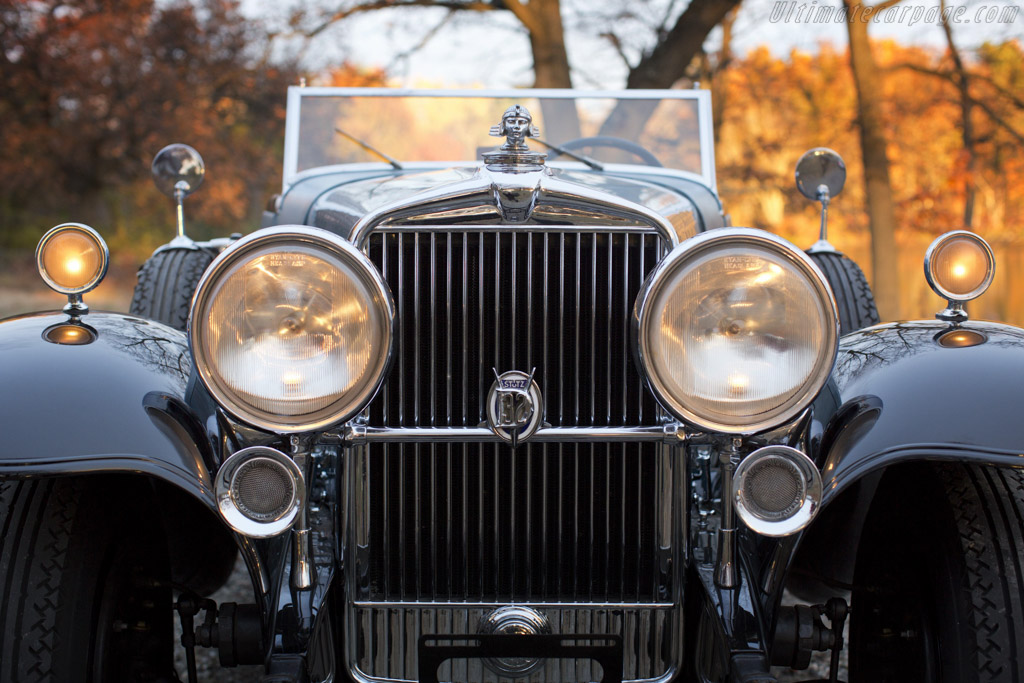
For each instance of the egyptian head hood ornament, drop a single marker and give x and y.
(514, 156)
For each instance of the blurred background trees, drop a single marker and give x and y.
(91, 89)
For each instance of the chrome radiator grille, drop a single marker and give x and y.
(581, 531)
(472, 302)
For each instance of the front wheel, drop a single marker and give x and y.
(938, 583)
(84, 597)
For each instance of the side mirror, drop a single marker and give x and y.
(820, 176)
(178, 171)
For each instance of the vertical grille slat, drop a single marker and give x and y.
(480, 523)
(478, 301)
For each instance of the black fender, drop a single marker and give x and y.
(107, 395)
(906, 392)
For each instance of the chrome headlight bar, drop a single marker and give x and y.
(736, 331)
(291, 329)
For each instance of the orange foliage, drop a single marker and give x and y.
(778, 108)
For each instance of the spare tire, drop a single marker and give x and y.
(854, 298)
(166, 284)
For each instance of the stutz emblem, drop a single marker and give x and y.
(514, 406)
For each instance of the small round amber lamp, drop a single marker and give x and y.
(72, 258)
(959, 266)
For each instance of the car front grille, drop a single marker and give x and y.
(445, 532)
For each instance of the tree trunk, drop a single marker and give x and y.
(878, 189)
(551, 68)
(717, 80)
(967, 129)
(666, 63)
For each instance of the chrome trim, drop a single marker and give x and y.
(366, 434)
(455, 500)
(955, 311)
(74, 294)
(693, 247)
(342, 409)
(380, 636)
(514, 620)
(704, 118)
(442, 604)
(230, 512)
(811, 496)
(498, 198)
(652, 640)
(726, 570)
(302, 558)
(420, 166)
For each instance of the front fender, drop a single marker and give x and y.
(907, 392)
(925, 390)
(106, 396)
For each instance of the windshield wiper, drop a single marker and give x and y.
(368, 148)
(592, 163)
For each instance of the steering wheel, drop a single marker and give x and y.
(609, 141)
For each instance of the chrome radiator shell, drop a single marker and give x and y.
(587, 532)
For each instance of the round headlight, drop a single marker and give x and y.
(72, 258)
(737, 331)
(291, 329)
(959, 266)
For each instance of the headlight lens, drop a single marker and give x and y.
(737, 331)
(72, 258)
(959, 266)
(291, 329)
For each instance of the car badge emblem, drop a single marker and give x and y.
(514, 406)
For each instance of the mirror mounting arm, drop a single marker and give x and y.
(823, 245)
(180, 192)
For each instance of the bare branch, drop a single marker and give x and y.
(981, 104)
(427, 37)
(453, 5)
(668, 61)
(997, 119)
(1001, 89)
(949, 76)
(616, 42)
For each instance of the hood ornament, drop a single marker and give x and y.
(514, 156)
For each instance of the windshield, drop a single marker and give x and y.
(451, 127)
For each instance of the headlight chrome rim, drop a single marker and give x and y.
(807, 506)
(230, 510)
(929, 261)
(89, 233)
(338, 411)
(693, 248)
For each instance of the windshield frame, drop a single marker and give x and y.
(297, 93)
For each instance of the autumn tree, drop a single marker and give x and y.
(878, 188)
(95, 88)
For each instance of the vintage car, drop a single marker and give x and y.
(476, 408)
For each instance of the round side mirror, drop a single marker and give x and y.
(817, 167)
(178, 167)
